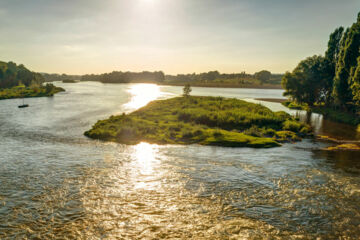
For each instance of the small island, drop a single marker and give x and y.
(213, 121)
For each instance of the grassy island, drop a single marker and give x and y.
(202, 120)
(26, 92)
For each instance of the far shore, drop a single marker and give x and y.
(224, 85)
(209, 85)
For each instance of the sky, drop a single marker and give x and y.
(175, 36)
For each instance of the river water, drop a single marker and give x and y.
(57, 184)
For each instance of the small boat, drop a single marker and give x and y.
(23, 105)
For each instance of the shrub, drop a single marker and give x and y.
(291, 125)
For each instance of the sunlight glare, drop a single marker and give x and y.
(145, 155)
(142, 94)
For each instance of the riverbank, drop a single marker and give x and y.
(202, 120)
(328, 112)
(29, 92)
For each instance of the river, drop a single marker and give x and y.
(57, 184)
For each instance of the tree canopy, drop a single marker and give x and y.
(333, 79)
(126, 77)
(12, 75)
(264, 76)
(308, 82)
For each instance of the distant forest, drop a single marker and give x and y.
(332, 80)
(259, 78)
(126, 77)
(59, 77)
(262, 77)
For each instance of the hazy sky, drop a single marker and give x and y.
(176, 36)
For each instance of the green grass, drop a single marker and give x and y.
(202, 120)
(27, 92)
(328, 112)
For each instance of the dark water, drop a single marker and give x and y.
(57, 184)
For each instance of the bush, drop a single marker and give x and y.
(292, 125)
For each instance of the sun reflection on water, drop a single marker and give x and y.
(145, 161)
(142, 94)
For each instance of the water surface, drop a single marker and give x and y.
(56, 183)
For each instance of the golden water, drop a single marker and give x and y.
(57, 184)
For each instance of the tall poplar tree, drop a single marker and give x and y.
(345, 82)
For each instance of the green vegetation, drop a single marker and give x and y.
(12, 75)
(330, 84)
(294, 105)
(27, 92)
(262, 79)
(16, 81)
(126, 77)
(68, 81)
(264, 76)
(187, 90)
(59, 77)
(203, 120)
(329, 112)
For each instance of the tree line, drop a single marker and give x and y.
(126, 77)
(52, 77)
(12, 75)
(262, 77)
(332, 80)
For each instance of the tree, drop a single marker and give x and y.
(345, 80)
(307, 83)
(331, 58)
(49, 87)
(334, 44)
(187, 90)
(334, 78)
(264, 76)
(355, 87)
